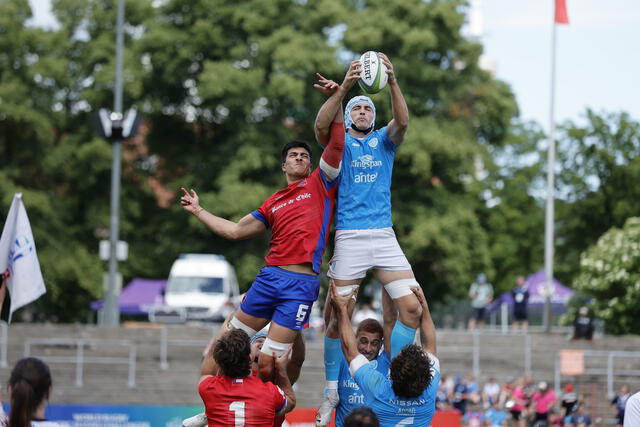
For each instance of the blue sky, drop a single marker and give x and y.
(598, 60)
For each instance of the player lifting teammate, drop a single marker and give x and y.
(299, 216)
(364, 235)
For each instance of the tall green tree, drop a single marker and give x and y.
(610, 273)
(599, 167)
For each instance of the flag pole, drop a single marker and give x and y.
(551, 163)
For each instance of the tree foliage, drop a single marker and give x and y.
(223, 84)
(610, 272)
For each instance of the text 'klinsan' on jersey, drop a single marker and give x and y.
(365, 162)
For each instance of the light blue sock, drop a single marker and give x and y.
(332, 357)
(401, 336)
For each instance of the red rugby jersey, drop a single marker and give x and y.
(240, 401)
(299, 216)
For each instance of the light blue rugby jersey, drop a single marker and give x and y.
(364, 192)
(349, 392)
(394, 411)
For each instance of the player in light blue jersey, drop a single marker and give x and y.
(364, 236)
(369, 341)
(408, 396)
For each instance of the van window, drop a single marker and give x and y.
(181, 285)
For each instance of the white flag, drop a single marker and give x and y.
(18, 259)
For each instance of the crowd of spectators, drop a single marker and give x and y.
(517, 402)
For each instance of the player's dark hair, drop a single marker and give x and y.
(232, 352)
(361, 416)
(295, 144)
(30, 382)
(371, 326)
(410, 372)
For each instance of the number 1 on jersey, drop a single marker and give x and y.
(238, 413)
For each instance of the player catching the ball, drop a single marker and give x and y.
(299, 217)
(364, 236)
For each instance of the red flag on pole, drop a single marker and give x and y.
(562, 17)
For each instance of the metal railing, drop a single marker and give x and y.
(610, 372)
(475, 349)
(165, 342)
(80, 359)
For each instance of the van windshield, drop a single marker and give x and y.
(181, 285)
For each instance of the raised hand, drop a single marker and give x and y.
(190, 201)
(391, 75)
(326, 86)
(353, 74)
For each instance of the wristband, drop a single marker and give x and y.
(196, 213)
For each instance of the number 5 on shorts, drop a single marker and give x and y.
(302, 312)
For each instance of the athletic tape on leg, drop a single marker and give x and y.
(279, 348)
(401, 288)
(347, 289)
(332, 358)
(236, 324)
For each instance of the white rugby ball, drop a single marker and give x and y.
(374, 73)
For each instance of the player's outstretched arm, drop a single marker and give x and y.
(247, 227)
(282, 381)
(427, 328)
(331, 110)
(397, 127)
(345, 330)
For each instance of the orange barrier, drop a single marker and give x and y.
(305, 417)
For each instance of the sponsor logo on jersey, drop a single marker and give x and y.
(298, 198)
(366, 161)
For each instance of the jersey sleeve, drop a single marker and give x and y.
(279, 399)
(262, 213)
(331, 160)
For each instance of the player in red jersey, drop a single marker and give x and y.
(231, 395)
(299, 216)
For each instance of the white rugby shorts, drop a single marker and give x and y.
(357, 251)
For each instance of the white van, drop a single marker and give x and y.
(202, 287)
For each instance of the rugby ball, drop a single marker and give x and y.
(374, 73)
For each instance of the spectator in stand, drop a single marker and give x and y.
(473, 417)
(442, 396)
(473, 389)
(579, 418)
(583, 325)
(460, 397)
(519, 407)
(542, 401)
(520, 296)
(495, 416)
(449, 384)
(632, 412)
(620, 403)
(506, 393)
(490, 393)
(569, 400)
(481, 294)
